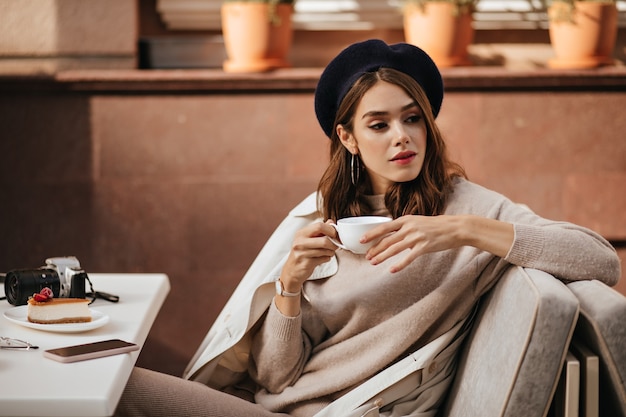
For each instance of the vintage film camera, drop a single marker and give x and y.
(62, 275)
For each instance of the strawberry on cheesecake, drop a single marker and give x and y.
(43, 308)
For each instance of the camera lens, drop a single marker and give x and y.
(19, 285)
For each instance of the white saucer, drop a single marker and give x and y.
(18, 315)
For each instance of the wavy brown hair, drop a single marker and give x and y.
(425, 195)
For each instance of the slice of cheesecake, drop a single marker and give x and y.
(59, 310)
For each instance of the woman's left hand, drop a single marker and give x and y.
(426, 234)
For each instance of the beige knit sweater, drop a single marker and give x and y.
(364, 318)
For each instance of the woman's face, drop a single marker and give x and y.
(389, 134)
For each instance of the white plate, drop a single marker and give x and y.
(18, 315)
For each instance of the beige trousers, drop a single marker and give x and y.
(150, 393)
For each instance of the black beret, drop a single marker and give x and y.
(368, 56)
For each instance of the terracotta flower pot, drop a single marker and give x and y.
(441, 29)
(582, 37)
(256, 36)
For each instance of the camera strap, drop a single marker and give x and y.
(99, 294)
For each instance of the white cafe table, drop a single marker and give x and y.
(31, 385)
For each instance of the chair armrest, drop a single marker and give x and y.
(602, 327)
(512, 359)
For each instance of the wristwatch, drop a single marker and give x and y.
(280, 290)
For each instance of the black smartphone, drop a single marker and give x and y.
(90, 350)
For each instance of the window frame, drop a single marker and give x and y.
(363, 14)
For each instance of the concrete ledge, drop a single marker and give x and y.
(305, 79)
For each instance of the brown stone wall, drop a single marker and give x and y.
(192, 183)
(558, 152)
(187, 185)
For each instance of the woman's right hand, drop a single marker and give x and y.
(310, 248)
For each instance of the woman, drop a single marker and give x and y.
(332, 325)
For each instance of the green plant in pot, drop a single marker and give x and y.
(582, 33)
(257, 34)
(566, 11)
(442, 28)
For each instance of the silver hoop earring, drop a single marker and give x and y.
(355, 167)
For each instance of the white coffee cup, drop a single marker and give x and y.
(352, 229)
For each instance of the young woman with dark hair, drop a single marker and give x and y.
(329, 340)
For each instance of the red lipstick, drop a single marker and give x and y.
(404, 157)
